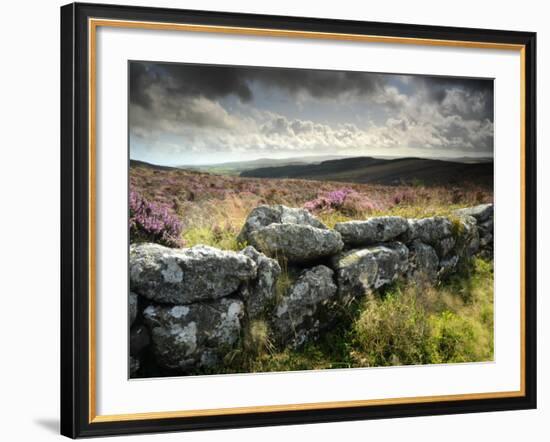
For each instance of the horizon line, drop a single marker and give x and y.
(488, 156)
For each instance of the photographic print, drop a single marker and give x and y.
(298, 212)
(298, 219)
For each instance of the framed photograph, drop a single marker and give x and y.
(274, 220)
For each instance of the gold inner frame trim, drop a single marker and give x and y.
(93, 24)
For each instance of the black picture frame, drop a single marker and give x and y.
(75, 221)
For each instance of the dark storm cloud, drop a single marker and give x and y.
(140, 80)
(469, 98)
(214, 82)
(187, 80)
(319, 84)
(442, 83)
(476, 95)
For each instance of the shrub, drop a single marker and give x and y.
(404, 196)
(328, 200)
(357, 204)
(153, 222)
(345, 200)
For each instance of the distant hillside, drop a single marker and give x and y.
(134, 163)
(236, 167)
(383, 171)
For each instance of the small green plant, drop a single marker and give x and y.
(256, 340)
(457, 227)
(284, 282)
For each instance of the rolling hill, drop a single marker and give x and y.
(383, 171)
(236, 167)
(137, 163)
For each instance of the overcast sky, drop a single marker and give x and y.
(199, 114)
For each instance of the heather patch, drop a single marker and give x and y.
(153, 222)
(211, 209)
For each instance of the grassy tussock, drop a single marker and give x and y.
(414, 324)
(425, 325)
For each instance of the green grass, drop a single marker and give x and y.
(414, 324)
(404, 210)
(225, 239)
(284, 281)
(392, 330)
(401, 325)
(419, 210)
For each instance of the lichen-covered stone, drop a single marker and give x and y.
(296, 243)
(259, 293)
(468, 237)
(447, 266)
(188, 337)
(486, 232)
(132, 306)
(481, 212)
(139, 340)
(483, 215)
(183, 276)
(263, 216)
(423, 263)
(134, 365)
(373, 230)
(486, 225)
(297, 317)
(444, 246)
(436, 231)
(359, 271)
(486, 240)
(429, 230)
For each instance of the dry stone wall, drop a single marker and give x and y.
(190, 308)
